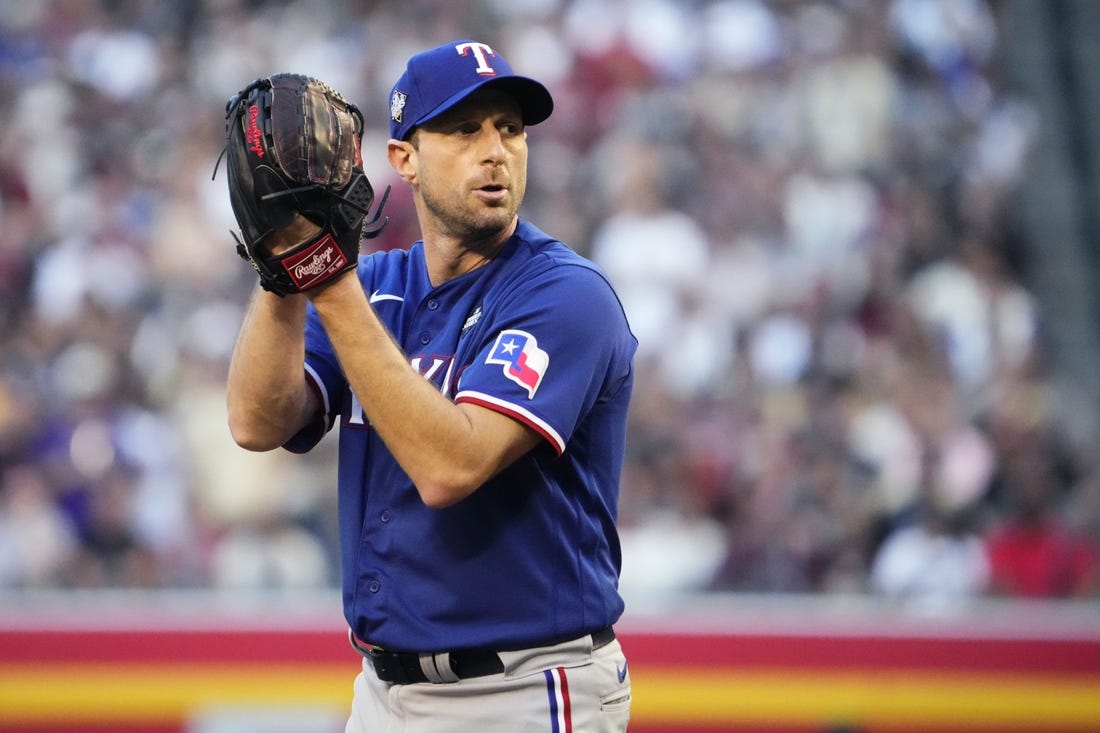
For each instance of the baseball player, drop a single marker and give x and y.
(480, 378)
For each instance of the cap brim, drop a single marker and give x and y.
(535, 102)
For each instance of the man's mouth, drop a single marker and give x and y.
(493, 193)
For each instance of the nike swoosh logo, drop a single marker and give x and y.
(622, 672)
(377, 296)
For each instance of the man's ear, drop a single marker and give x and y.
(401, 154)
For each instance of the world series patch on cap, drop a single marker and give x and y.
(438, 79)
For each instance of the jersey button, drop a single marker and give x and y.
(373, 586)
(425, 337)
(433, 305)
(385, 515)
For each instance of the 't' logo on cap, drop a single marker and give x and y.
(481, 52)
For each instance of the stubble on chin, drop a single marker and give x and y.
(482, 222)
(470, 219)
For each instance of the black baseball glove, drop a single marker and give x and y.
(293, 147)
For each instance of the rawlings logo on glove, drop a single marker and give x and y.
(315, 265)
(292, 148)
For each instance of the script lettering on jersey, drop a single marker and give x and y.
(480, 52)
(429, 368)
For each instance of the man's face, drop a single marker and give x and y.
(472, 165)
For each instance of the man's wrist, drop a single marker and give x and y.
(343, 285)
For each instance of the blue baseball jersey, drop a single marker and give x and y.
(532, 556)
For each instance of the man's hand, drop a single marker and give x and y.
(299, 231)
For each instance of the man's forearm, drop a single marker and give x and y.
(447, 450)
(267, 397)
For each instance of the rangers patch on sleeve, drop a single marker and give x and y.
(523, 361)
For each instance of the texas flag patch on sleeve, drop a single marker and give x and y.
(523, 361)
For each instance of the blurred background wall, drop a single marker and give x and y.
(857, 240)
(202, 662)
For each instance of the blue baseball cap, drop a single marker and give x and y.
(438, 79)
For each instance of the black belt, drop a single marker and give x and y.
(402, 668)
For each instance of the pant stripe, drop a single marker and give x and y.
(557, 689)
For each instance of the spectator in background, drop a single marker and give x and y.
(111, 554)
(1034, 552)
(37, 540)
(932, 554)
(936, 560)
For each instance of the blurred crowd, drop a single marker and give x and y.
(842, 385)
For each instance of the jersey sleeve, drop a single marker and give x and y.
(561, 344)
